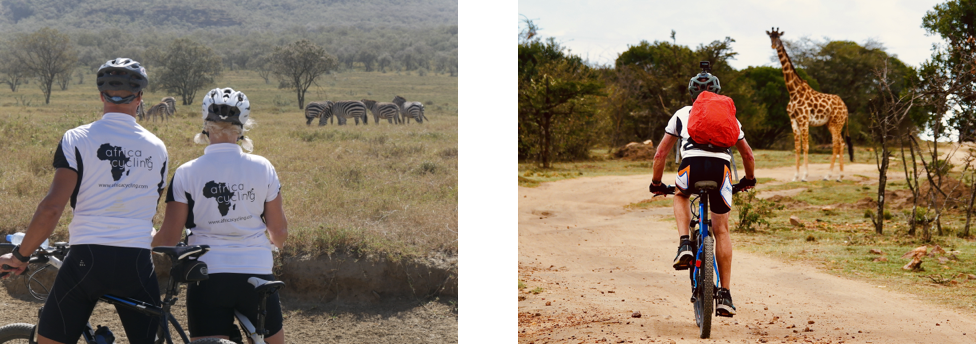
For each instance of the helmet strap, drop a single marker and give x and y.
(119, 100)
(205, 133)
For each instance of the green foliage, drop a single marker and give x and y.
(556, 106)
(955, 22)
(46, 54)
(753, 212)
(185, 67)
(299, 64)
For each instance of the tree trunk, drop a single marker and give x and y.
(882, 181)
(969, 210)
(546, 136)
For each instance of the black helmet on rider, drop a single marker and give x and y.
(704, 82)
(121, 74)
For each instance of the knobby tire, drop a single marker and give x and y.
(705, 300)
(16, 333)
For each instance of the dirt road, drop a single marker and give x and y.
(597, 263)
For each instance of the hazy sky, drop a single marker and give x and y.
(600, 30)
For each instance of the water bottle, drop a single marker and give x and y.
(17, 238)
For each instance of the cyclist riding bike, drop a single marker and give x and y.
(230, 199)
(113, 172)
(698, 164)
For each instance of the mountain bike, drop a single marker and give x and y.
(704, 273)
(186, 269)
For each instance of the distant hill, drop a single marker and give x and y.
(247, 15)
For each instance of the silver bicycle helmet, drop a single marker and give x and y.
(704, 82)
(121, 74)
(226, 105)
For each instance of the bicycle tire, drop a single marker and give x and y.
(16, 333)
(705, 300)
(211, 341)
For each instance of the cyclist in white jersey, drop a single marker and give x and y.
(701, 165)
(229, 199)
(112, 171)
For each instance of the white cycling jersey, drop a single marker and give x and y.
(225, 190)
(678, 127)
(121, 170)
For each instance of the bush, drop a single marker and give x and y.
(752, 211)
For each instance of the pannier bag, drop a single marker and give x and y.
(712, 125)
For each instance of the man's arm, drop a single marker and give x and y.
(171, 231)
(748, 160)
(661, 156)
(46, 216)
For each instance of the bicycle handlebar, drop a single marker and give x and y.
(671, 188)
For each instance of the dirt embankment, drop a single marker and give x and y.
(340, 277)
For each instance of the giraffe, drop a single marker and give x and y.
(808, 107)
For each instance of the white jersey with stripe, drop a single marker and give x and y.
(678, 127)
(225, 190)
(121, 170)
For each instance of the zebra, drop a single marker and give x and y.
(140, 110)
(313, 110)
(409, 110)
(171, 104)
(162, 110)
(344, 110)
(389, 111)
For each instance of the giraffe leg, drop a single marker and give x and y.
(838, 151)
(833, 158)
(806, 148)
(796, 146)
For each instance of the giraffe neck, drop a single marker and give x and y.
(794, 85)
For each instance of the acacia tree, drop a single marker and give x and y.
(46, 54)
(300, 63)
(186, 67)
(887, 114)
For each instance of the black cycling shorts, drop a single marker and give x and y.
(90, 271)
(697, 169)
(210, 305)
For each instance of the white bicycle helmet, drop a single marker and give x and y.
(226, 105)
(121, 74)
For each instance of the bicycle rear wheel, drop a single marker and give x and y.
(16, 333)
(705, 294)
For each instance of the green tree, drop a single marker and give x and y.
(955, 22)
(46, 54)
(300, 63)
(185, 67)
(556, 102)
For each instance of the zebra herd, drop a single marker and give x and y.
(398, 111)
(165, 108)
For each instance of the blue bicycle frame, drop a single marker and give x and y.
(703, 232)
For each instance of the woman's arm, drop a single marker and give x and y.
(274, 217)
(171, 231)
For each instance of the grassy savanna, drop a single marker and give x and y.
(383, 189)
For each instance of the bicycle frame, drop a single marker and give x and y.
(160, 312)
(703, 222)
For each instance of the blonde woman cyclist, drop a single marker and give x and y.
(230, 199)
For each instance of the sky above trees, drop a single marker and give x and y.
(597, 31)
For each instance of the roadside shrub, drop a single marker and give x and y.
(753, 211)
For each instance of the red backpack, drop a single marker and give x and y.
(712, 124)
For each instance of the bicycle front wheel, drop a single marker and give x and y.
(16, 333)
(705, 298)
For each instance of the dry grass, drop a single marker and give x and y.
(378, 189)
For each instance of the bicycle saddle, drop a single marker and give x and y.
(706, 185)
(180, 252)
(263, 286)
